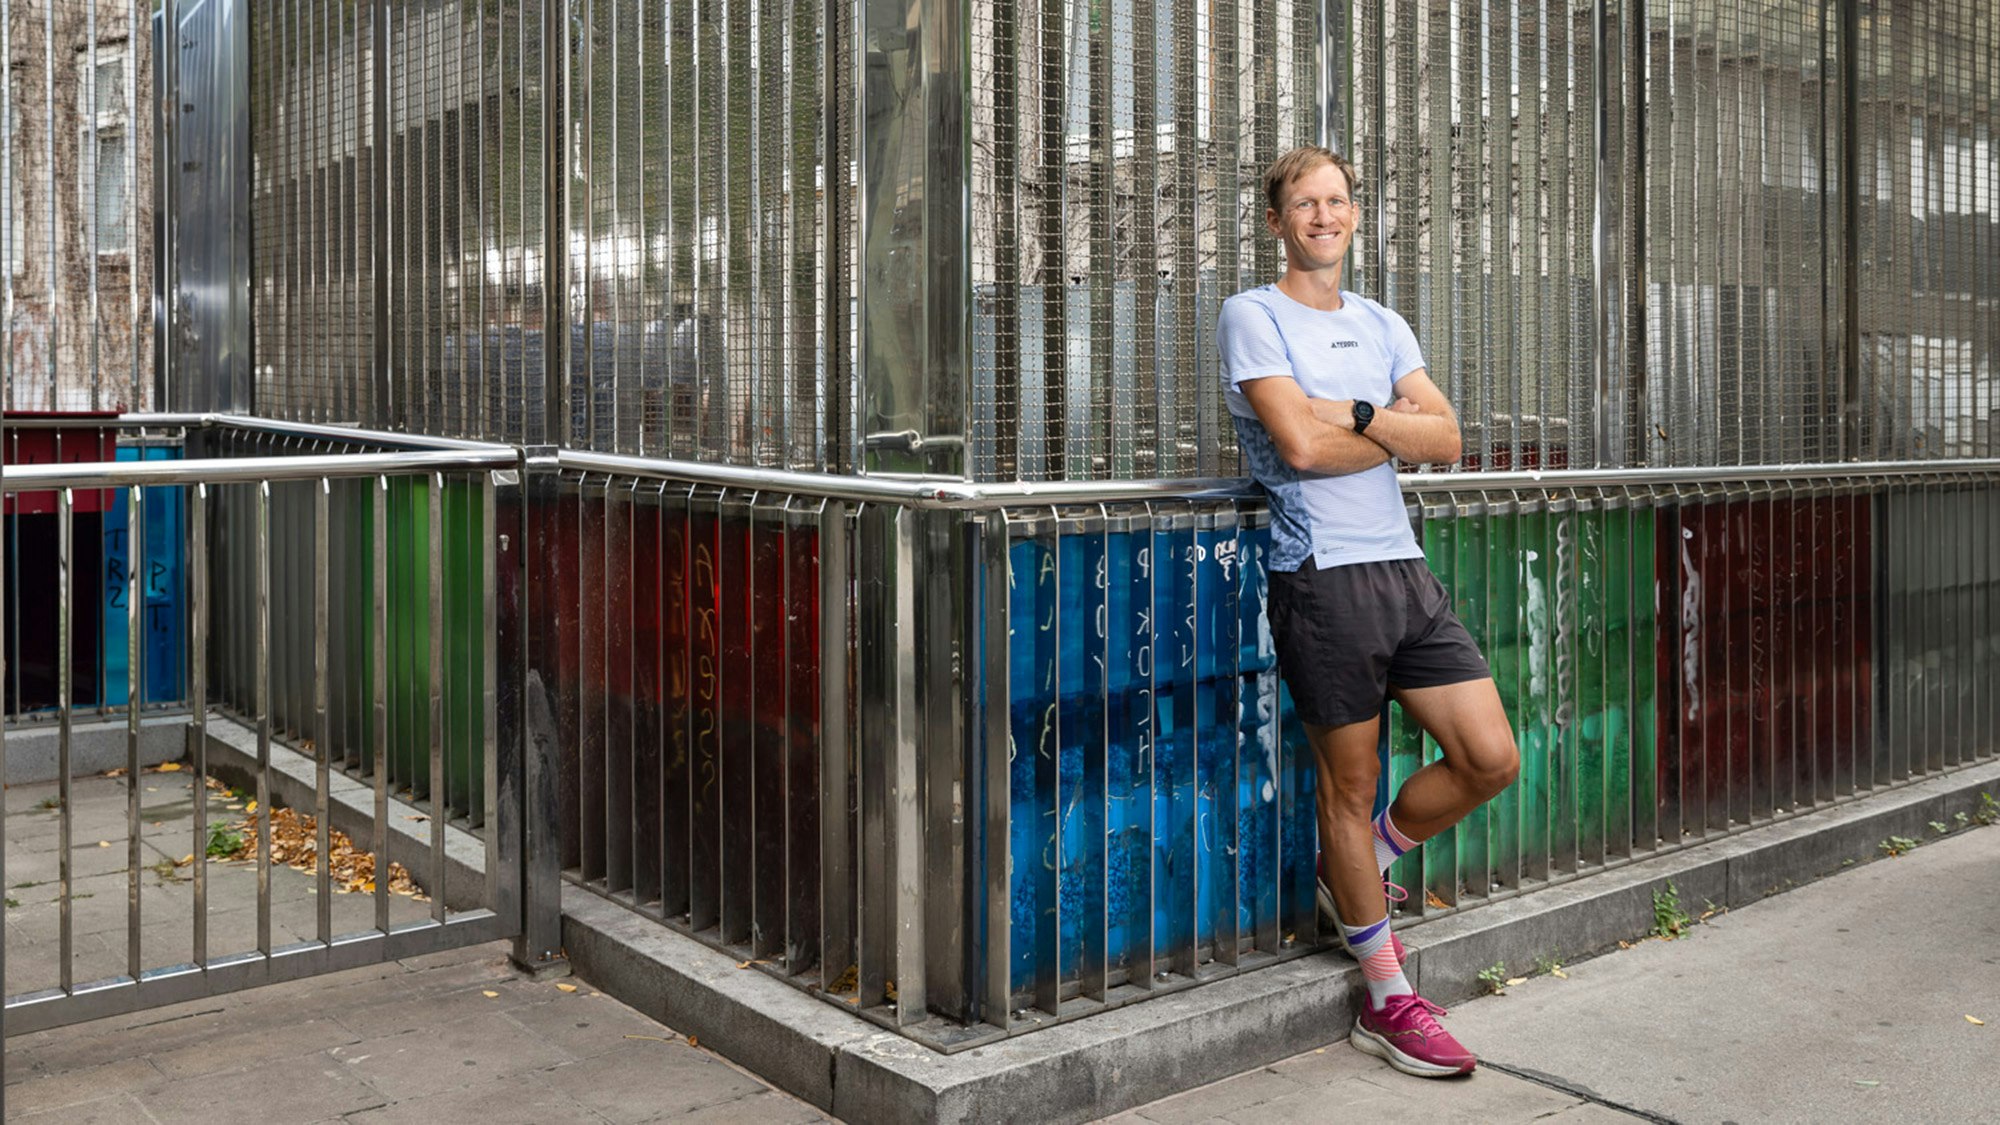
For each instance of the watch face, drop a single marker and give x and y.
(1364, 413)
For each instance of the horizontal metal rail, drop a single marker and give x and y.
(952, 493)
(251, 470)
(354, 434)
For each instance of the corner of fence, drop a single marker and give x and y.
(524, 622)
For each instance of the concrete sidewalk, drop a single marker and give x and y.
(1844, 1000)
(443, 1038)
(1840, 1001)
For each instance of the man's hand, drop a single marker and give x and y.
(1419, 428)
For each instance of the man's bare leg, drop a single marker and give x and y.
(1479, 756)
(1348, 768)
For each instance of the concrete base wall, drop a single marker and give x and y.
(1136, 1054)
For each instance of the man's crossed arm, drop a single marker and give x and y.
(1317, 434)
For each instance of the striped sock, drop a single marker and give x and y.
(1379, 970)
(1389, 842)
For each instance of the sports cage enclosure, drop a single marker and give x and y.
(882, 594)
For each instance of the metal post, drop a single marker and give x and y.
(526, 630)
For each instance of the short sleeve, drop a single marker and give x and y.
(1404, 355)
(1248, 339)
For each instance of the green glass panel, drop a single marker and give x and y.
(1467, 559)
(1595, 713)
(1639, 526)
(1536, 645)
(1616, 558)
(1505, 657)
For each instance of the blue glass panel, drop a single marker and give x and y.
(162, 616)
(1032, 728)
(1173, 745)
(1081, 763)
(1128, 780)
(1257, 731)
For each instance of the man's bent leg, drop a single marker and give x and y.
(1480, 758)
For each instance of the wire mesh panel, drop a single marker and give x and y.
(76, 217)
(418, 213)
(1929, 200)
(1473, 136)
(1116, 187)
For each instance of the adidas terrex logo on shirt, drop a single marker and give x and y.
(1347, 343)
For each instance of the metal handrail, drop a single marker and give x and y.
(271, 426)
(251, 470)
(932, 492)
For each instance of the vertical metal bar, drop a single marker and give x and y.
(322, 728)
(65, 791)
(261, 638)
(502, 866)
(379, 641)
(135, 694)
(198, 578)
(1047, 771)
(837, 914)
(380, 412)
(556, 51)
(906, 813)
(996, 992)
(440, 807)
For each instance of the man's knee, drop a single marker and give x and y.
(1493, 766)
(1349, 793)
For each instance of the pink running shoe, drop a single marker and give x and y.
(1327, 911)
(1405, 1033)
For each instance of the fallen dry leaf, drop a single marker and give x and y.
(693, 1042)
(1434, 902)
(104, 843)
(251, 807)
(295, 843)
(488, 993)
(1558, 974)
(115, 771)
(566, 987)
(1975, 1020)
(184, 860)
(1514, 981)
(652, 1038)
(169, 767)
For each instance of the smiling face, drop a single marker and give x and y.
(1315, 220)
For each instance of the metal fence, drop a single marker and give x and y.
(339, 618)
(977, 759)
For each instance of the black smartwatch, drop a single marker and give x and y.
(1364, 413)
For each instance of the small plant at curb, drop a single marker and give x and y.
(1940, 827)
(1494, 977)
(54, 803)
(1989, 810)
(1550, 964)
(1669, 920)
(1897, 845)
(1961, 818)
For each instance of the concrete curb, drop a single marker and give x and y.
(1136, 1054)
(33, 750)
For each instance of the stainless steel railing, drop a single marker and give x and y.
(320, 590)
(976, 759)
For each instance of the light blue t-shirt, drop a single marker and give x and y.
(1356, 353)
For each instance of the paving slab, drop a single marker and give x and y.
(535, 1052)
(1844, 1000)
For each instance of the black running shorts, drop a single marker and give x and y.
(1346, 634)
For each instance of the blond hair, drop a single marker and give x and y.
(1286, 170)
